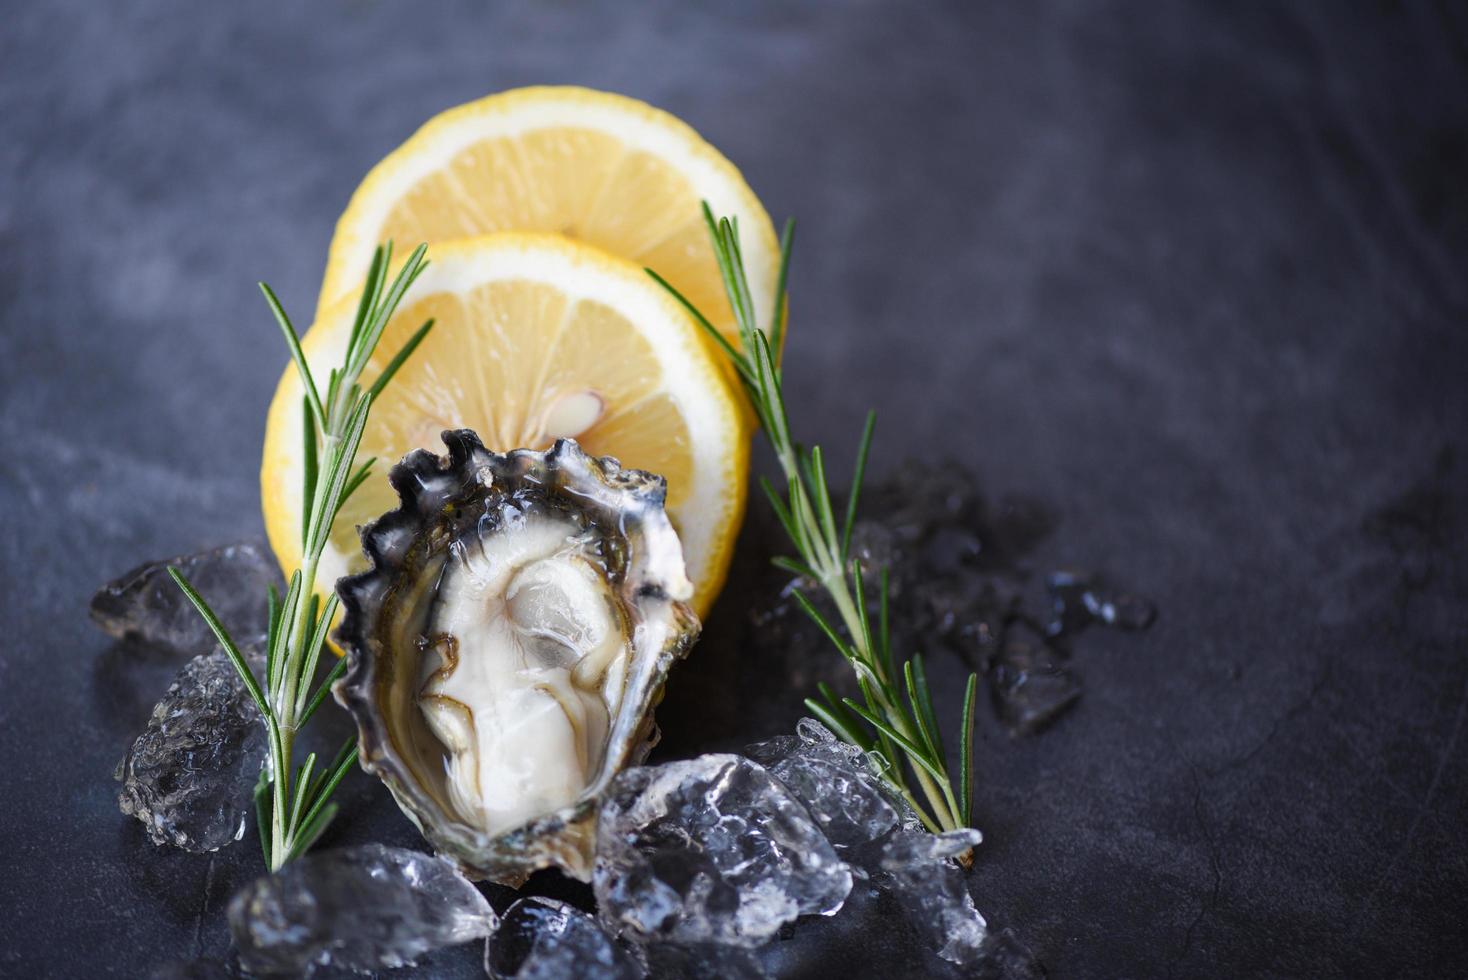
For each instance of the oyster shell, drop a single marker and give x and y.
(508, 646)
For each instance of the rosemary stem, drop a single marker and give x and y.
(825, 558)
(940, 798)
(903, 734)
(285, 701)
(283, 828)
(279, 764)
(290, 678)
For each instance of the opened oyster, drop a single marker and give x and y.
(507, 649)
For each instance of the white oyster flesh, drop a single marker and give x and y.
(532, 657)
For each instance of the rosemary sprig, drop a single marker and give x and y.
(893, 722)
(292, 803)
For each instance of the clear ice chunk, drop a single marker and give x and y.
(919, 870)
(1029, 685)
(359, 908)
(189, 777)
(146, 605)
(712, 849)
(836, 783)
(545, 939)
(1078, 599)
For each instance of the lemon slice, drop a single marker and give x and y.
(593, 166)
(536, 337)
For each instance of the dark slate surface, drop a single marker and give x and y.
(1194, 275)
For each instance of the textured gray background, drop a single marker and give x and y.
(1193, 274)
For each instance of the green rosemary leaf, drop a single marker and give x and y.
(337, 475)
(272, 605)
(230, 650)
(885, 747)
(358, 478)
(776, 396)
(866, 675)
(310, 831)
(860, 600)
(782, 513)
(965, 752)
(777, 320)
(308, 458)
(849, 721)
(313, 651)
(279, 775)
(924, 706)
(711, 223)
(294, 343)
(905, 722)
(816, 469)
(708, 328)
(370, 300)
(324, 689)
(825, 627)
(726, 266)
(796, 568)
(262, 810)
(916, 691)
(914, 752)
(836, 723)
(303, 780)
(291, 818)
(371, 288)
(741, 281)
(803, 524)
(277, 657)
(404, 352)
(313, 823)
(857, 475)
(346, 752)
(409, 273)
(333, 396)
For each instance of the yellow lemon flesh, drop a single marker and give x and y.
(536, 337)
(600, 168)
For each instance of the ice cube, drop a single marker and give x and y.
(363, 908)
(1119, 609)
(545, 939)
(921, 495)
(1079, 599)
(960, 604)
(918, 869)
(190, 775)
(712, 849)
(1029, 685)
(146, 605)
(835, 782)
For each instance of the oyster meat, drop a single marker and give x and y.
(508, 646)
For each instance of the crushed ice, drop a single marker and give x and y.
(190, 775)
(359, 908)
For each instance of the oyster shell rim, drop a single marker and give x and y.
(561, 838)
